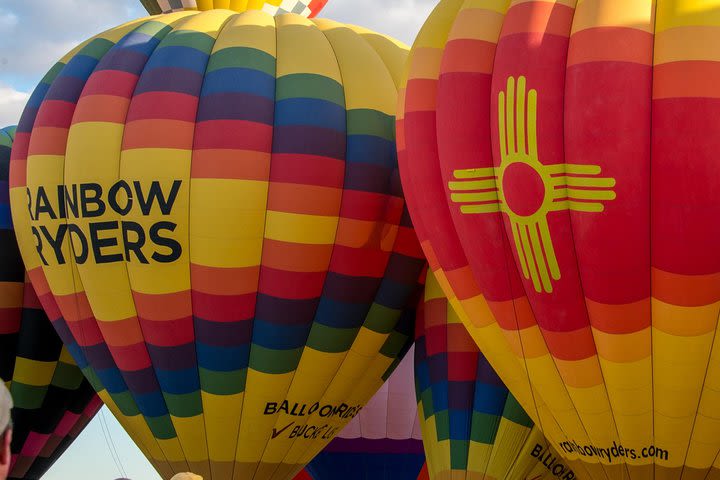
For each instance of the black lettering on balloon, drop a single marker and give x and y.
(39, 245)
(42, 204)
(171, 243)
(71, 202)
(56, 241)
(90, 194)
(29, 203)
(156, 193)
(80, 258)
(113, 197)
(100, 243)
(134, 245)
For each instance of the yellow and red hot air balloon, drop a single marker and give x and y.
(472, 426)
(217, 229)
(306, 8)
(53, 401)
(559, 160)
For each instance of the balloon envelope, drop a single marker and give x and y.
(552, 186)
(231, 262)
(53, 401)
(306, 8)
(383, 441)
(472, 425)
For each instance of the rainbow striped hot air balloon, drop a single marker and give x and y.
(473, 427)
(383, 442)
(53, 402)
(223, 241)
(560, 159)
(306, 8)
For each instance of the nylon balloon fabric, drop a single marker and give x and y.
(383, 441)
(546, 160)
(306, 8)
(473, 428)
(53, 402)
(231, 262)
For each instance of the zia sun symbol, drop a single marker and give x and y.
(525, 189)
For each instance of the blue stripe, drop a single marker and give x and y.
(239, 80)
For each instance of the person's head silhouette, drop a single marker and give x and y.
(6, 405)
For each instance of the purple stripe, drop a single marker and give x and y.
(309, 141)
(223, 334)
(180, 357)
(236, 106)
(168, 79)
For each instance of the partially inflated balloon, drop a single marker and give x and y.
(53, 402)
(383, 442)
(562, 161)
(473, 428)
(306, 8)
(223, 244)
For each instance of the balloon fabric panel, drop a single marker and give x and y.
(383, 441)
(53, 402)
(269, 261)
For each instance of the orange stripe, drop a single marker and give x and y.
(573, 345)
(695, 79)
(538, 17)
(527, 343)
(610, 44)
(463, 283)
(101, 108)
(623, 348)
(296, 257)
(513, 314)
(685, 290)
(583, 373)
(224, 281)
(159, 134)
(619, 319)
(166, 306)
(421, 96)
(304, 199)
(122, 333)
(48, 141)
(456, 58)
(230, 163)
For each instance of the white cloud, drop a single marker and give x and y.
(12, 103)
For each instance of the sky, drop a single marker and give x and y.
(33, 35)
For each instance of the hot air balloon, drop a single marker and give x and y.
(230, 260)
(306, 8)
(53, 401)
(559, 162)
(473, 428)
(383, 441)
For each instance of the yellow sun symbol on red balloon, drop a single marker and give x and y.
(543, 188)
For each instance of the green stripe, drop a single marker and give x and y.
(270, 361)
(307, 85)
(161, 427)
(242, 57)
(67, 376)
(223, 383)
(185, 38)
(183, 405)
(371, 122)
(330, 339)
(484, 427)
(28, 397)
(515, 413)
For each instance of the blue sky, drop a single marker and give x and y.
(40, 32)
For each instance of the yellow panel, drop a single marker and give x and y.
(367, 83)
(299, 228)
(636, 14)
(33, 372)
(227, 222)
(254, 29)
(303, 49)
(678, 13)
